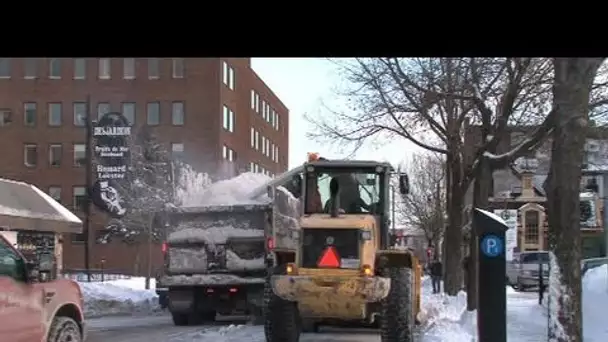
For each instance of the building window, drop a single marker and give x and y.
(263, 109)
(128, 111)
(54, 68)
(29, 114)
(79, 198)
(267, 114)
(30, 71)
(102, 109)
(153, 68)
(80, 157)
(251, 166)
(54, 114)
(30, 155)
(5, 68)
(267, 147)
(80, 68)
(277, 122)
(128, 68)
(252, 99)
(228, 75)
(178, 68)
(153, 113)
(104, 68)
(228, 119)
(177, 150)
(276, 154)
(55, 193)
(263, 145)
(6, 117)
(228, 153)
(55, 155)
(272, 151)
(177, 113)
(532, 229)
(252, 137)
(257, 140)
(80, 113)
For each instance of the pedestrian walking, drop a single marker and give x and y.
(436, 274)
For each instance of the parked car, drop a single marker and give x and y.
(523, 270)
(32, 310)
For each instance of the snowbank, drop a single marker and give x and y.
(125, 296)
(595, 302)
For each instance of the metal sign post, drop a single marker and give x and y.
(492, 311)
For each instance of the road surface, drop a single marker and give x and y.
(161, 329)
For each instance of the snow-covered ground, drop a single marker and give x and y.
(123, 296)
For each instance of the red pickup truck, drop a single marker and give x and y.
(32, 311)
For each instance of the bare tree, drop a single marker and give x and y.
(424, 208)
(428, 101)
(572, 91)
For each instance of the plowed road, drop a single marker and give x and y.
(161, 329)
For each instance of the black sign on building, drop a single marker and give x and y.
(112, 152)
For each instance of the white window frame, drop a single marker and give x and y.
(100, 111)
(272, 151)
(276, 121)
(77, 149)
(257, 103)
(228, 119)
(276, 154)
(177, 149)
(84, 74)
(104, 68)
(252, 99)
(267, 147)
(178, 107)
(52, 147)
(130, 105)
(228, 153)
(54, 191)
(77, 191)
(263, 145)
(50, 115)
(26, 148)
(263, 109)
(156, 70)
(128, 68)
(8, 66)
(228, 75)
(51, 62)
(252, 137)
(25, 110)
(149, 106)
(34, 65)
(178, 66)
(257, 140)
(231, 78)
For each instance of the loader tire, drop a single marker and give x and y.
(281, 319)
(397, 314)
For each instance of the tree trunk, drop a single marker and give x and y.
(572, 85)
(149, 245)
(453, 234)
(481, 192)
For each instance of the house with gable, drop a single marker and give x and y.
(519, 188)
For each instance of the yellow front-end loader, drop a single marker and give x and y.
(343, 268)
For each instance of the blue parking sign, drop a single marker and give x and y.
(492, 246)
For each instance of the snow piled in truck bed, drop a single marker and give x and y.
(230, 191)
(235, 263)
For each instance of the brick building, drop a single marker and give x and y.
(215, 113)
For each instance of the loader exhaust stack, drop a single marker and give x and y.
(334, 187)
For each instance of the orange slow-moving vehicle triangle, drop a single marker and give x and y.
(330, 258)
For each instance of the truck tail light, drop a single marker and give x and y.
(164, 248)
(291, 269)
(270, 243)
(366, 271)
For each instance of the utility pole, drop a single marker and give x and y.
(88, 186)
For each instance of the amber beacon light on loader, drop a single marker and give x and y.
(344, 269)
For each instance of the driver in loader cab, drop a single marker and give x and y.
(349, 198)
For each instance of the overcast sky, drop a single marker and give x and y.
(302, 83)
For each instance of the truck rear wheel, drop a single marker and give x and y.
(281, 320)
(397, 314)
(180, 319)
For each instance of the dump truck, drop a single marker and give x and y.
(215, 262)
(343, 268)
